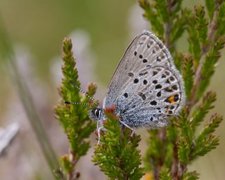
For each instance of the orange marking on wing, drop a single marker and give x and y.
(171, 99)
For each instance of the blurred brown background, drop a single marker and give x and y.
(101, 31)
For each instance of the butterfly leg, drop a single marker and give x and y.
(99, 128)
(133, 131)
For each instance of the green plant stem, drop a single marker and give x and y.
(205, 49)
(167, 27)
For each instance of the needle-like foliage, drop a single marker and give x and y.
(171, 150)
(117, 154)
(72, 113)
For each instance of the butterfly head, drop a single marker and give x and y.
(97, 114)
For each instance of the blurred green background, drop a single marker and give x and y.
(39, 28)
(42, 26)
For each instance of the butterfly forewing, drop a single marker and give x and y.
(146, 86)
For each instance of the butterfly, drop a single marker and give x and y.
(146, 87)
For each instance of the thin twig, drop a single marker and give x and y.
(73, 159)
(168, 26)
(174, 169)
(204, 51)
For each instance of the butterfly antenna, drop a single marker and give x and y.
(82, 91)
(67, 102)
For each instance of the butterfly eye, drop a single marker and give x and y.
(96, 112)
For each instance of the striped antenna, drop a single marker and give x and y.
(83, 92)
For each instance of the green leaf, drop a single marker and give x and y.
(193, 175)
(184, 151)
(184, 137)
(66, 163)
(221, 21)
(149, 12)
(178, 28)
(162, 10)
(72, 110)
(210, 5)
(201, 24)
(206, 141)
(208, 67)
(170, 151)
(156, 152)
(201, 111)
(197, 31)
(211, 126)
(165, 174)
(188, 74)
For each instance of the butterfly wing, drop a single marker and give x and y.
(146, 86)
(152, 99)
